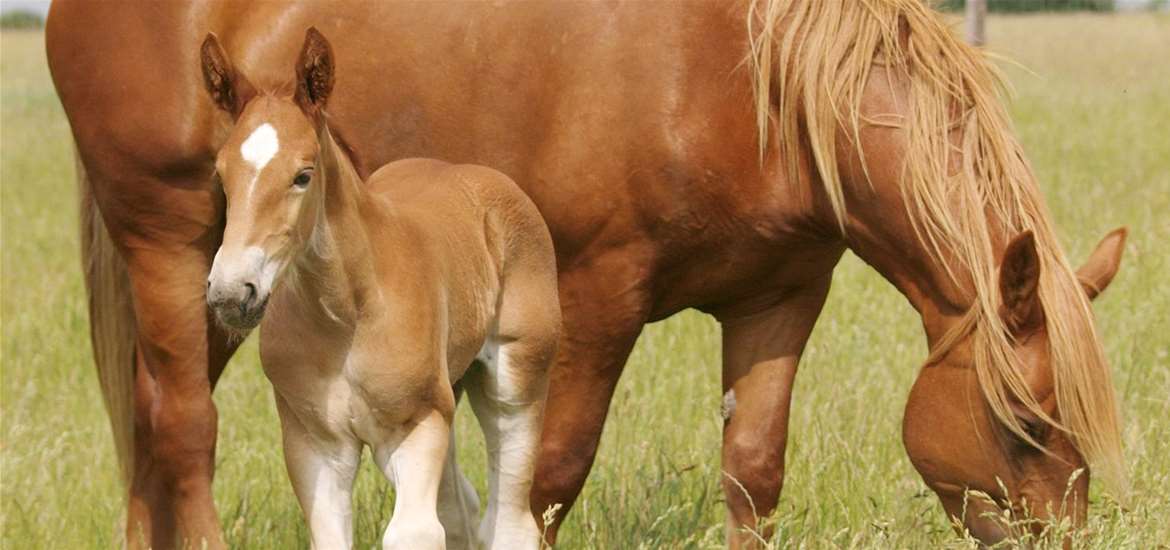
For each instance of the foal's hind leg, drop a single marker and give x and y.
(458, 503)
(322, 473)
(760, 354)
(507, 393)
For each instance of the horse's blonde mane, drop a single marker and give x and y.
(810, 61)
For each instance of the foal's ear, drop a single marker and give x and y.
(229, 90)
(1102, 264)
(1019, 285)
(314, 71)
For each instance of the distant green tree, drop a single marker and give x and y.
(1008, 6)
(20, 19)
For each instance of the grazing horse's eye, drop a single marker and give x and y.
(1036, 428)
(303, 178)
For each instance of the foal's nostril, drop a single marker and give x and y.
(251, 293)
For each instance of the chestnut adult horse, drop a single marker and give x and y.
(709, 155)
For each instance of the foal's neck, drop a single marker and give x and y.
(335, 275)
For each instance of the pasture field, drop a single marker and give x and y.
(1093, 110)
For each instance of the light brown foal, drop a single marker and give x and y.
(376, 297)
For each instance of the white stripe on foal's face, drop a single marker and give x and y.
(258, 150)
(260, 147)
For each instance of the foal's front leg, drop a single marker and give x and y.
(322, 471)
(415, 466)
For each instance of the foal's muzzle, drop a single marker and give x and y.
(237, 304)
(237, 290)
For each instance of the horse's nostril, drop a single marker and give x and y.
(251, 296)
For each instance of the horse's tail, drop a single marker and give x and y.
(112, 327)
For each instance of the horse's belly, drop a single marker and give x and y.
(741, 277)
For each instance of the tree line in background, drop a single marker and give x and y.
(1009, 6)
(20, 19)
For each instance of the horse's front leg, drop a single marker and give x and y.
(760, 355)
(415, 467)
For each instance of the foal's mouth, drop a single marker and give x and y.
(241, 317)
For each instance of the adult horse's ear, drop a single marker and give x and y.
(229, 89)
(1102, 264)
(1019, 285)
(314, 72)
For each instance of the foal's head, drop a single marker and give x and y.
(270, 168)
(959, 444)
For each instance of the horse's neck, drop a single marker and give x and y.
(886, 240)
(335, 271)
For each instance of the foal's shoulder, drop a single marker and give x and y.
(406, 174)
(481, 179)
(417, 178)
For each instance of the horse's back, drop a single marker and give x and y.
(625, 144)
(569, 99)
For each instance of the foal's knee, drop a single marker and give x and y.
(753, 477)
(415, 534)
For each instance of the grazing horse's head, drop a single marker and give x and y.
(1016, 396)
(269, 168)
(978, 467)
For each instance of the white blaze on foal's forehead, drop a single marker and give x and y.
(261, 146)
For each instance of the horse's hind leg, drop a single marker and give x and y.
(179, 356)
(604, 306)
(458, 503)
(507, 393)
(322, 471)
(760, 355)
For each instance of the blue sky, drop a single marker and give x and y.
(35, 6)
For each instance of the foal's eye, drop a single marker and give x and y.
(303, 178)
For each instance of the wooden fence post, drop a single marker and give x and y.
(976, 12)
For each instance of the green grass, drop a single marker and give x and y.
(1093, 118)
